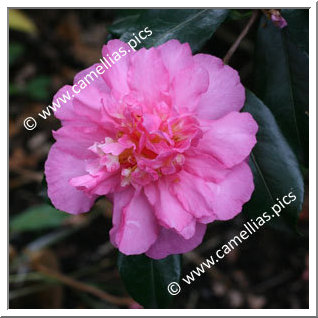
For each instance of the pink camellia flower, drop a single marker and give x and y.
(278, 20)
(160, 134)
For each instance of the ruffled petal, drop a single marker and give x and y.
(148, 77)
(229, 139)
(60, 167)
(66, 111)
(204, 166)
(76, 139)
(194, 194)
(67, 97)
(116, 74)
(120, 201)
(135, 227)
(188, 87)
(169, 242)
(100, 184)
(169, 211)
(225, 92)
(92, 78)
(229, 195)
(179, 60)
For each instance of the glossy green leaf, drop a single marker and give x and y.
(274, 165)
(121, 25)
(147, 279)
(185, 25)
(281, 81)
(38, 218)
(298, 26)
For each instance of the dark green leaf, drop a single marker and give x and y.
(15, 52)
(239, 14)
(121, 25)
(38, 88)
(38, 218)
(15, 89)
(274, 165)
(297, 26)
(192, 26)
(147, 279)
(281, 81)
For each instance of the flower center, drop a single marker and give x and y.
(147, 147)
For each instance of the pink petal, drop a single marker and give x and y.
(60, 167)
(77, 137)
(169, 242)
(135, 228)
(66, 111)
(204, 166)
(147, 76)
(100, 184)
(229, 139)
(176, 57)
(120, 201)
(169, 210)
(151, 122)
(225, 92)
(188, 87)
(92, 78)
(116, 148)
(116, 75)
(194, 194)
(279, 21)
(230, 195)
(89, 103)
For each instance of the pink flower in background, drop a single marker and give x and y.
(278, 20)
(135, 305)
(161, 135)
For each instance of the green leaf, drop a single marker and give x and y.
(298, 26)
(15, 89)
(185, 25)
(38, 88)
(274, 165)
(121, 25)
(15, 52)
(239, 14)
(281, 81)
(38, 218)
(146, 279)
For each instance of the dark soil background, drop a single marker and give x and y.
(269, 270)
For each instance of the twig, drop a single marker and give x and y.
(126, 301)
(240, 37)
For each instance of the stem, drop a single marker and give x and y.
(83, 287)
(240, 37)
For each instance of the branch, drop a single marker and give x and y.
(235, 45)
(83, 287)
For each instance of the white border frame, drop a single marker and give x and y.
(312, 164)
